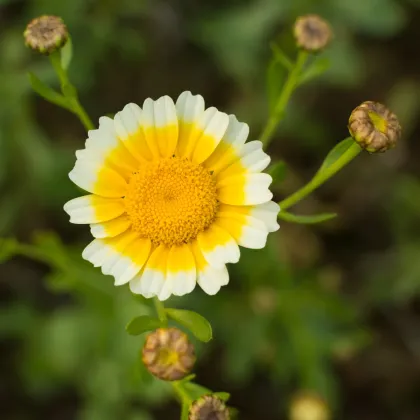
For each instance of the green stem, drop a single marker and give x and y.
(160, 310)
(318, 180)
(70, 92)
(181, 392)
(288, 88)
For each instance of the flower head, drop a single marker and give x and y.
(168, 354)
(312, 33)
(374, 127)
(308, 406)
(46, 34)
(174, 190)
(209, 407)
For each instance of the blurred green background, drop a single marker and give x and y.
(332, 308)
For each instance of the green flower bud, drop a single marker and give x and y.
(308, 406)
(374, 127)
(168, 354)
(208, 407)
(312, 33)
(46, 34)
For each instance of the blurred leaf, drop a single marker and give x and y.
(195, 391)
(276, 76)
(196, 323)
(306, 220)
(318, 67)
(278, 171)
(66, 54)
(48, 93)
(281, 57)
(222, 395)
(141, 324)
(335, 153)
(8, 248)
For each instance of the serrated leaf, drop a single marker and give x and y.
(66, 54)
(278, 171)
(142, 324)
(48, 93)
(196, 323)
(222, 395)
(306, 220)
(317, 68)
(335, 153)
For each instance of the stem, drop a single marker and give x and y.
(160, 310)
(181, 392)
(70, 92)
(318, 180)
(288, 88)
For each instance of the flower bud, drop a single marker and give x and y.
(308, 406)
(46, 34)
(374, 127)
(208, 407)
(312, 33)
(168, 354)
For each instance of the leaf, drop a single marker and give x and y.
(306, 220)
(141, 324)
(196, 323)
(222, 395)
(276, 76)
(281, 57)
(195, 391)
(47, 93)
(336, 152)
(66, 54)
(278, 171)
(8, 248)
(317, 68)
(188, 378)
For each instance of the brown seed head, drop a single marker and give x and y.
(209, 407)
(312, 33)
(46, 34)
(374, 127)
(168, 354)
(308, 406)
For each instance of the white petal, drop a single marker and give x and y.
(211, 279)
(189, 107)
(268, 214)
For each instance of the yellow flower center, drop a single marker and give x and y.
(171, 201)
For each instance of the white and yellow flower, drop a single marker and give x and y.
(174, 190)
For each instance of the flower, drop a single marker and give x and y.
(308, 406)
(374, 127)
(174, 191)
(312, 33)
(208, 407)
(46, 34)
(168, 354)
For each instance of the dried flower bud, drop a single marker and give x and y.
(312, 33)
(209, 407)
(374, 127)
(168, 354)
(46, 34)
(308, 406)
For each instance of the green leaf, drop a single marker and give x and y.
(336, 152)
(222, 395)
(278, 171)
(306, 220)
(196, 323)
(141, 324)
(188, 378)
(47, 93)
(317, 68)
(8, 248)
(195, 391)
(276, 76)
(281, 57)
(66, 54)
